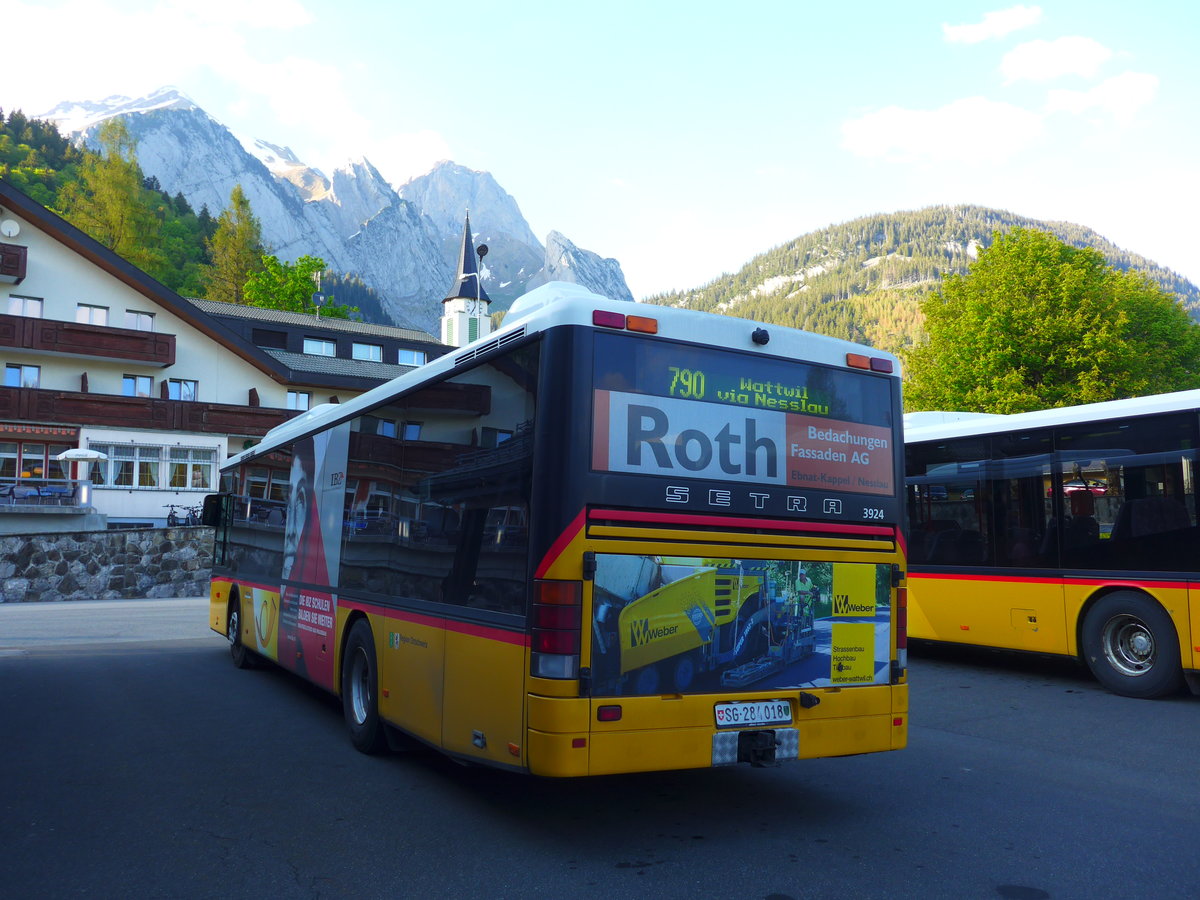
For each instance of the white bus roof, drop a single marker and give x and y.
(919, 427)
(560, 303)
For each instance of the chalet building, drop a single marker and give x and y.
(153, 391)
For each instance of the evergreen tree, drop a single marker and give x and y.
(106, 201)
(236, 250)
(288, 286)
(1036, 323)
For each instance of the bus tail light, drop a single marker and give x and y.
(874, 363)
(606, 319)
(644, 324)
(902, 626)
(557, 623)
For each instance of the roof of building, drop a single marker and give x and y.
(336, 365)
(467, 283)
(284, 317)
(203, 315)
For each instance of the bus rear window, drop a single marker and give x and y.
(662, 408)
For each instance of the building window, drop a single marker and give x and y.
(263, 337)
(371, 352)
(144, 466)
(128, 466)
(182, 389)
(137, 385)
(139, 321)
(88, 314)
(191, 468)
(381, 427)
(25, 306)
(318, 347)
(412, 431)
(299, 400)
(22, 376)
(412, 357)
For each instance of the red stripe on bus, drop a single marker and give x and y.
(489, 633)
(559, 545)
(731, 522)
(1049, 579)
(441, 624)
(600, 431)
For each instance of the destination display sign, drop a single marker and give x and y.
(675, 411)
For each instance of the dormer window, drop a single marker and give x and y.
(370, 352)
(319, 347)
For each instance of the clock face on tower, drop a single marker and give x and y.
(474, 307)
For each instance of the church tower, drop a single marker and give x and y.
(465, 314)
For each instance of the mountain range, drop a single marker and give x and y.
(863, 280)
(401, 242)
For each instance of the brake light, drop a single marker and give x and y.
(607, 319)
(557, 624)
(874, 363)
(901, 625)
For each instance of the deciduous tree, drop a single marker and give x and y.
(290, 286)
(1036, 323)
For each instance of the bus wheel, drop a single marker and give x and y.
(1130, 644)
(360, 681)
(241, 656)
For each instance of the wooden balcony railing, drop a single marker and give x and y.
(92, 341)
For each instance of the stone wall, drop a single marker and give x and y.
(106, 565)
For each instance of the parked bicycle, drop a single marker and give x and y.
(182, 515)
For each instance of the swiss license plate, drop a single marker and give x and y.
(753, 712)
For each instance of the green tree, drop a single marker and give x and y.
(1036, 323)
(290, 286)
(236, 250)
(107, 200)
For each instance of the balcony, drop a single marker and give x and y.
(86, 341)
(13, 261)
(114, 411)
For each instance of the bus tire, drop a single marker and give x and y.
(360, 690)
(1130, 644)
(242, 656)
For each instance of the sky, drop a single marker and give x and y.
(683, 138)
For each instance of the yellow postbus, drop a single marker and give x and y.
(1066, 531)
(605, 538)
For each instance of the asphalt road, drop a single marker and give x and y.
(137, 762)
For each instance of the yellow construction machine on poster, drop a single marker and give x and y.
(741, 619)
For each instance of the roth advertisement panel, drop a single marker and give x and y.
(676, 624)
(649, 435)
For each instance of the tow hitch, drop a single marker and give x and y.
(757, 748)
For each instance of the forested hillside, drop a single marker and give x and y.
(863, 280)
(173, 239)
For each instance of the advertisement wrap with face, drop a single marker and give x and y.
(311, 555)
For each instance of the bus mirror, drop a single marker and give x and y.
(211, 513)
